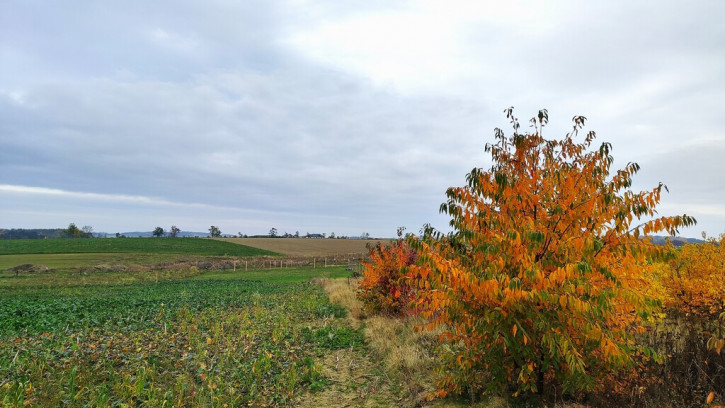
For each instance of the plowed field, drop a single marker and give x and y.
(307, 246)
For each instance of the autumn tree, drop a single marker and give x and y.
(694, 286)
(536, 285)
(386, 287)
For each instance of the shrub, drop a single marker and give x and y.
(536, 288)
(385, 287)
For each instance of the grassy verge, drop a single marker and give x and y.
(406, 357)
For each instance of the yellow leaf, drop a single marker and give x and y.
(514, 329)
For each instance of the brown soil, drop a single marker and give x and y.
(308, 246)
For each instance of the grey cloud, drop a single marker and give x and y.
(206, 102)
(299, 140)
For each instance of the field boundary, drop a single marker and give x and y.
(352, 261)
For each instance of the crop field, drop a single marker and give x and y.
(193, 246)
(68, 253)
(190, 339)
(307, 247)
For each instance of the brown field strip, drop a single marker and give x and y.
(307, 246)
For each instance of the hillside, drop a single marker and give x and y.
(196, 246)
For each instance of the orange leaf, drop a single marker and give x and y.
(710, 397)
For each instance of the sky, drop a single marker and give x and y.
(345, 117)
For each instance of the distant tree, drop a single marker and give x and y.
(273, 232)
(72, 231)
(332, 235)
(297, 234)
(365, 235)
(158, 232)
(87, 231)
(215, 232)
(174, 231)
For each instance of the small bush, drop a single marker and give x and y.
(385, 287)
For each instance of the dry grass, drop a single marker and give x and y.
(351, 384)
(307, 247)
(406, 356)
(342, 292)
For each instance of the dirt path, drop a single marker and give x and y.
(354, 382)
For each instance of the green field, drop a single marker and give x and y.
(193, 339)
(187, 246)
(135, 322)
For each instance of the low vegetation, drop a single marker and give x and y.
(220, 339)
(188, 246)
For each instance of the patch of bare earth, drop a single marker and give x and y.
(308, 246)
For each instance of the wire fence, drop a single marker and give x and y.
(353, 261)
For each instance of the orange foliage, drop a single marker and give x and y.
(385, 287)
(696, 283)
(693, 285)
(537, 285)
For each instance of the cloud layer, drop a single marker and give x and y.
(314, 116)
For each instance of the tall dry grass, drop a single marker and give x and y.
(407, 356)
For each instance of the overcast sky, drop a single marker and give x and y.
(338, 116)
